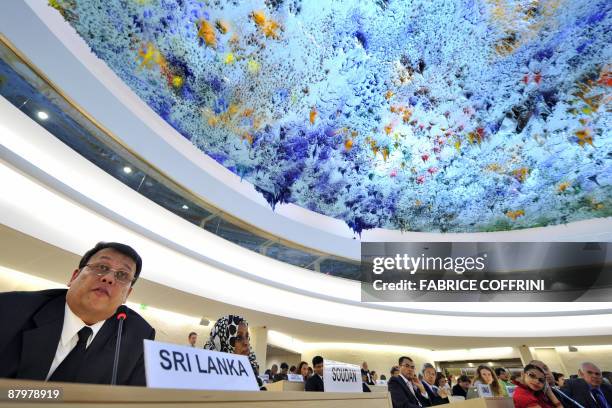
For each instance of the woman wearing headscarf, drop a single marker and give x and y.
(230, 334)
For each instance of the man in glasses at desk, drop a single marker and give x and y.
(589, 390)
(69, 335)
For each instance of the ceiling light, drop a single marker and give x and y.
(185, 207)
(42, 115)
(127, 169)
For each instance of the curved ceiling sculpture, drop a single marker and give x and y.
(422, 115)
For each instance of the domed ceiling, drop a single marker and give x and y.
(420, 115)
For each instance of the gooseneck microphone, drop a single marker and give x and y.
(121, 316)
(564, 395)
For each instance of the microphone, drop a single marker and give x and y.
(121, 316)
(567, 397)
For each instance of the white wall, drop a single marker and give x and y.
(600, 355)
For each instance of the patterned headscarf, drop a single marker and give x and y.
(223, 337)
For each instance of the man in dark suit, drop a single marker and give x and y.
(429, 383)
(70, 335)
(315, 382)
(588, 390)
(406, 390)
(282, 376)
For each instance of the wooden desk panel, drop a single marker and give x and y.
(285, 386)
(102, 396)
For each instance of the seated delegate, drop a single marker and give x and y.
(69, 335)
(230, 334)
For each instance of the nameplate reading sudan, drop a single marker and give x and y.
(173, 366)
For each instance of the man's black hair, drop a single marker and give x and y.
(317, 360)
(116, 246)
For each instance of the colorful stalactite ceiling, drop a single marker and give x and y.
(418, 115)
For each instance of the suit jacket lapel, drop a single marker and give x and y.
(412, 396)
(40, 343)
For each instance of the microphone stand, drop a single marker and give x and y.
(121, 316)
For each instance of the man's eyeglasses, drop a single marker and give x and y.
(121, 276)
(408, 365)
(594, 373)
(534, 376)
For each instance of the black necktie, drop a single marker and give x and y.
(68, 368)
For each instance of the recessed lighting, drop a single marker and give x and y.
(185, 207)
(127, 169)
(42, 115)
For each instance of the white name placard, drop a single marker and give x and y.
(295, 377)
(173, 366)
(484, 391)
(341, 377)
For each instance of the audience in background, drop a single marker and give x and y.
(515, 377)
(282, 376)
(364, 370)
(192, 338)
(374, 376)
(485, 375)
(302, 370)
(533, 390)
(503, 376)
(436, 395)
(463, 385)
(292, 369)
(406, 390)
(394, 371)
(230, 334)
(442, 382)
(273, 372)
(550, 380)
(451, 380)
(383, 377)
(310, 372)
(589, 390)
(559, 379)
(315, 382)
(364, 382)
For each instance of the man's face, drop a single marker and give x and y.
(193, 339)
(364, 365)
(591, 374)
(95, 298)
(274, 369)
(503, 375)
(318, 369)
(429, 375)
(465, 384)
(407, 368)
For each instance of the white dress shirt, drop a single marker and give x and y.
(414, 389)
(70, 338)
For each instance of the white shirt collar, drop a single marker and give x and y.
(72, 325)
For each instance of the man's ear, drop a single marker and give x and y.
(127, 294)
(580, 373)
(75, 273)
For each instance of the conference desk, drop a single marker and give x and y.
(494, 402)
(98, 396)
(285, 386)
